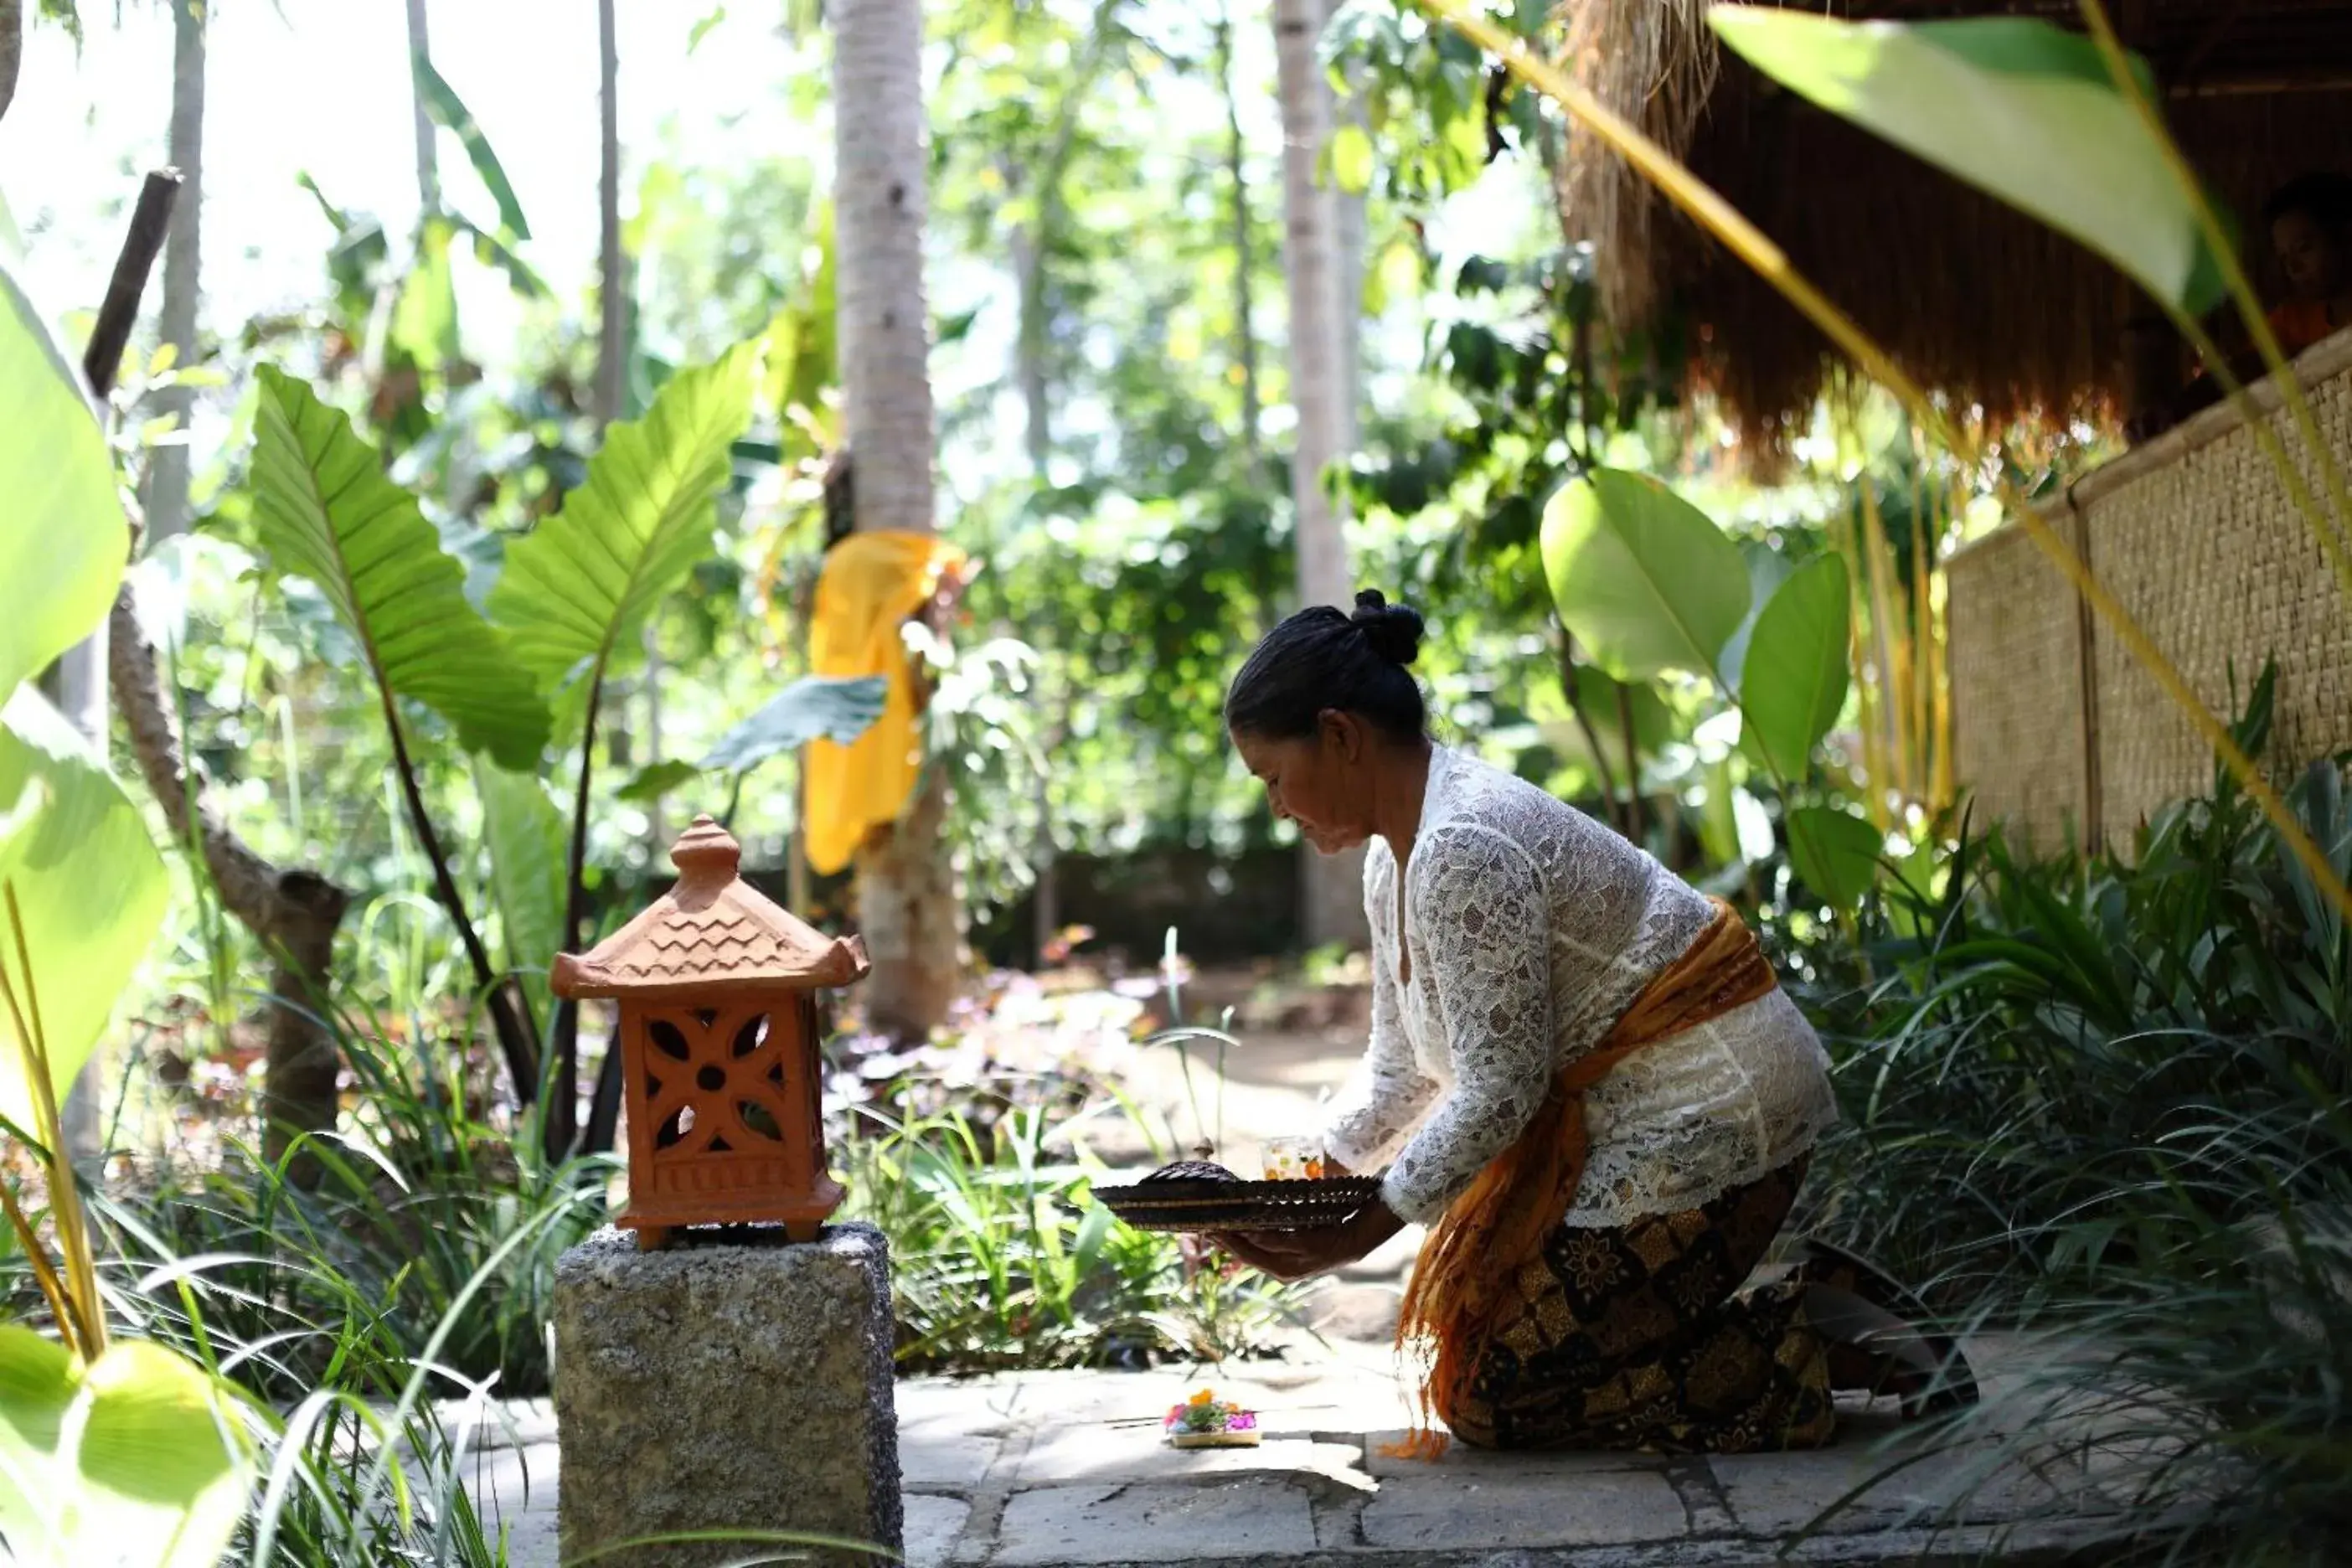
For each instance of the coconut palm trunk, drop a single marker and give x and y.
(1315, 253)
(79, 683)
(167, 479)
(428, 169)
(611, 393)
(1244, 250)
(906, 903)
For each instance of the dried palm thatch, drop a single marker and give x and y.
(1989, 306)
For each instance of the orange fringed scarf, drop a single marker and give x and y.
(1496, 1227)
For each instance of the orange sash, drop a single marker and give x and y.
(1496, 1227)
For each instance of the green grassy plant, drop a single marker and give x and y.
(2105, 1101)
(998, 1262)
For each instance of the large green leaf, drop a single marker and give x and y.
(523, 830)
(1643, 579)
(63, 546)
(134, 1462)
(2019, 107)
(424, 316)
(655, 780)
(1716, 820)
(1835, 854)
(325, 510)
(448, 110)
(576, 590)
(1792, 684)
(839, 709)
(92, 887)
(1767, 570)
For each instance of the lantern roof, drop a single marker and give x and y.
(711, 934)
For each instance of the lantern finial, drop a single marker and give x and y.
(706, 854)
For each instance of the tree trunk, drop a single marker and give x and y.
(1032, 242)
(77, 681)
(1029, 244)
(294, 913)
(1349, 271)
(611, 392)
(1029, 345)
(907, 912)
(1313, 243)
(428, 164)
(906, 904)
(612, 287)
(167, 475)
(1244, 248)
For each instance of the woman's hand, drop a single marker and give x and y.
(1303, 1254)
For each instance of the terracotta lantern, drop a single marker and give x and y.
(717, 987)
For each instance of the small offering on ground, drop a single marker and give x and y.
(1204, 1421)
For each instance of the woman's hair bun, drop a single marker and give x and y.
(1392, 630)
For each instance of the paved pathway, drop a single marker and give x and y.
(1065, 1469)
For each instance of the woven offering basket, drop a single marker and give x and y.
(1195, 1197)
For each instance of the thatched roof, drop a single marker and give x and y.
(1980, 301)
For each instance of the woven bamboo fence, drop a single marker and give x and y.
(2056, 730)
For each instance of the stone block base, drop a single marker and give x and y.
(721, 1386)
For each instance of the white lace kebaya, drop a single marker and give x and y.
(1530, 927)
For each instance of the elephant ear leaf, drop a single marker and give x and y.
(1793, 683)
(575, 590)
(1834, 852)
(1644, 580)
(65, 541)
(523, 830)
(134, 1459)
(88, 882)
(837, 710)
(326, 510)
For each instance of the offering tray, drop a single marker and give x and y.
(1194, 1195)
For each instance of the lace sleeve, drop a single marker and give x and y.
(1386, 1093)
(1485, 925)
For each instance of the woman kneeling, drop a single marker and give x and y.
(1588, 1083)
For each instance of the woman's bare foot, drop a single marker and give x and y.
(1952, 1381)
(1873, 1350)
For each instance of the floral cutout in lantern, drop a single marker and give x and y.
(721, 1070)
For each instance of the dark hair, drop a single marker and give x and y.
(1322, 658)
(2324, 198)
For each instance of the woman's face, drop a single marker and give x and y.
(2309, 254)
(1321, 781)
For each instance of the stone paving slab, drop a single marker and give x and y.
(1136, 1454)
(1465, 1466)
(933, 1525)
(1068, 1470)
(1253, 1518)
(1533, 1509)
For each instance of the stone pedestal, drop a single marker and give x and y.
(714, 1386)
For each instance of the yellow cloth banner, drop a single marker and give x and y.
(872, 584)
